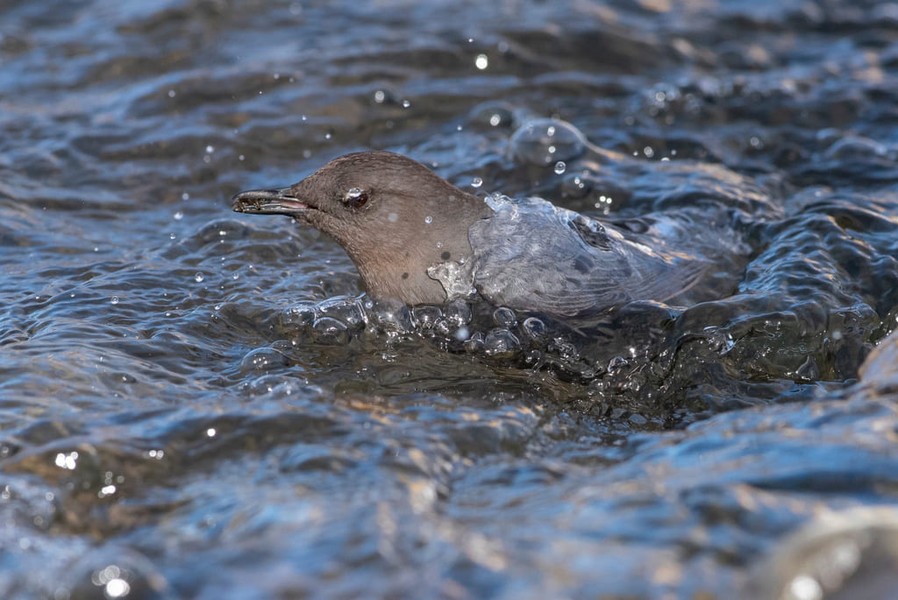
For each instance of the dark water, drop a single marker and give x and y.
(196, 404)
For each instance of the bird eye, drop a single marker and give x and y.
(355, 198)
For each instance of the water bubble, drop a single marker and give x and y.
(114, 300)
(481, 62)
(427, 316)
(474, 343)
(476, 182)
(199, 277)
(505, 317)
(178, 215)
(428, 219)
(262, 360)
(544, 142)
(185, 196)
(560, 167)
(390, 316)
(380, 96)
(534, 328)
(648, 151)
(501, 341)
(458, 312)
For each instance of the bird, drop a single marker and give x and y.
(416, 238)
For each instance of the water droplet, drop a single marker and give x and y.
(199, 277)
(482, 61)
(276, 76)
(172, 93)
(380, 96)
(185, 196)
(179, 215)
(648, 151)
(240, 158)
(392, 217)
(476, 182)
(210, 149)
(115, 300)
(406, 104)
(211, 432)
(328, 135)
(428, 219)
(560, 167)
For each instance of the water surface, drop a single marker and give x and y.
(198, 404)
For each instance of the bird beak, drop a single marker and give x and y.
(269, 202)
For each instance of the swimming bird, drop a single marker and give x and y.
(417, 238)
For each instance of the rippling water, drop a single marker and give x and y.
(197, 404)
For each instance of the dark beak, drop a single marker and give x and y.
(269, 202)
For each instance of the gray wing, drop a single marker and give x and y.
(541, 258)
